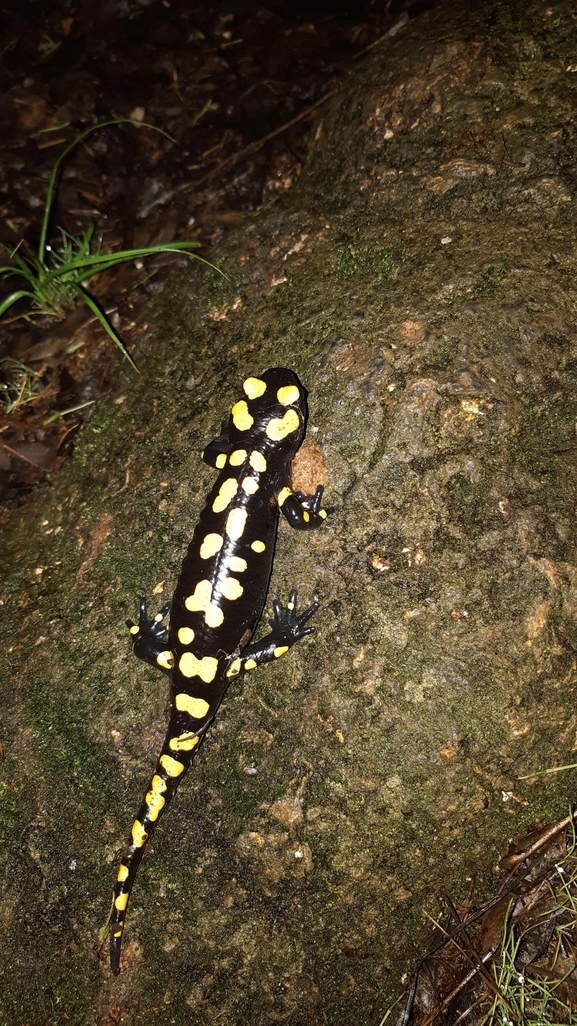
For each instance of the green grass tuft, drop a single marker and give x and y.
(55, 279)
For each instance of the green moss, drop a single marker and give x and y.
(9, 792)
(491, 279)
(377, 262)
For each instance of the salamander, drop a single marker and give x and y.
(221, 592)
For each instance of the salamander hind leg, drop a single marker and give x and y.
(150, 638)
(286, 625)
(286, 629)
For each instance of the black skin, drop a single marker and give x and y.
(221, 592)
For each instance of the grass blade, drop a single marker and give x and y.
(105, 323)
(64, 413)
(13, 298)
(68, 149)
(89, 265)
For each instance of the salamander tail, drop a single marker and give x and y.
(164, 783)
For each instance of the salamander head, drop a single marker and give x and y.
(272, 412)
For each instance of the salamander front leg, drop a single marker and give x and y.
(304, 513)
(150, 638)
(216, 451)
(286, 629)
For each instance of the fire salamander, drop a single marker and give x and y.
(221, 593)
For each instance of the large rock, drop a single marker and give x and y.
(421, 281)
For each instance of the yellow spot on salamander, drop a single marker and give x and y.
(323, 514)
(139, 835)
(279, 427)
(195, 707)
(227, 491)
(158, 785)
(238, 564)
(165, 659)
(121, 902)
(210, 546)
(155, 804)
(257, 546)
(200, 602)
(204, 668)
(235, 523)
(250, 664)
(231, 589)
(254, 387)
(280, 651)
(306, 516)
(241, 418)
(213, 616)
(249, 485)
(283, 495)
(134, 629)
(184, 743)
(287, 395)
(257, 461)
(172, 767)
(220, 460)
(122, 873)
(234, 668)
(237, 458)
(186, 635)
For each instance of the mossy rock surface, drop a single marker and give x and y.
(421, 281)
